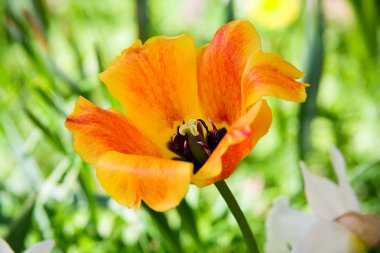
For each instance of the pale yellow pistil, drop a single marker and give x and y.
(195, 140)
(190, 127)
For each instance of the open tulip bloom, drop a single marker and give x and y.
(337, 224)
(191, 114)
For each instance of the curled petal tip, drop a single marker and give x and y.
(268, 74)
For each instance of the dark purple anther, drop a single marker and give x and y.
(221, 133)
(205, 147)
(203, 124)
(202, 144)
(185, 145)
(213, 125)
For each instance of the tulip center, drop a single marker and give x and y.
(194, 142)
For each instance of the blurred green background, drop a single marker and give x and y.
(51, 52)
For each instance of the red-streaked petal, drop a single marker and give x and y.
(97, 131)
(235, 145)
(220, 68)
(156, 84)
(160, 183)
(269, 74)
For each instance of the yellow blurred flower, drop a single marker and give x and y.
(274, 14)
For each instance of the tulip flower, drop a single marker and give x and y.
(42, 247)
(151, 153)
(337, 225)
(191, 114)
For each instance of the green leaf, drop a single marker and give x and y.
(78, 55)
(230, 11)
(20, 227)
(314, 65)
(171, 237)
(107, 94)
(41, 11)
(188, 220)
(367, 14)
(50, 101)
(46, 130)
(88, 190)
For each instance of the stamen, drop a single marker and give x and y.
(221, 133)
(185, 145)
(202, 144)
(213, 125)
(194, 142)
(205, 148)
(203, 124)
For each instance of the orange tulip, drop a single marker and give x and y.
(151, 153)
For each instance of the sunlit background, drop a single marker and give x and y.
(52, 51)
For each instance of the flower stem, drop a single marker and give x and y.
(239, 216)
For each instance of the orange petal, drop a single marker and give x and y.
(235, 145)
(156, 84)
(220, 68)
(97, 131)
(268, 74)
(160, 183)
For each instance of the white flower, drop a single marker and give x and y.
(336, 226)
(42, 247)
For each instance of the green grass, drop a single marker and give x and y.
(51, 53)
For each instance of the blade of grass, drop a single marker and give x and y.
(99, 58)
(171, 237)
(26, 163)
(314, 65)
(188, 220)
(47, 191)
(105, 91)
(54, 139)
(40, 9)
(50, 101)
(85, 183)
(65, 78)
(18, 31)
(78, 55)
(20, 227)
(230, 11)
(36, 30)
(367, 15)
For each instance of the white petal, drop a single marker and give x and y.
(4, 247)
(326, 237)
(323, 196)
(285, 226)
(42, 247)
(350, 200)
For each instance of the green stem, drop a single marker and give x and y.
(239, 216)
